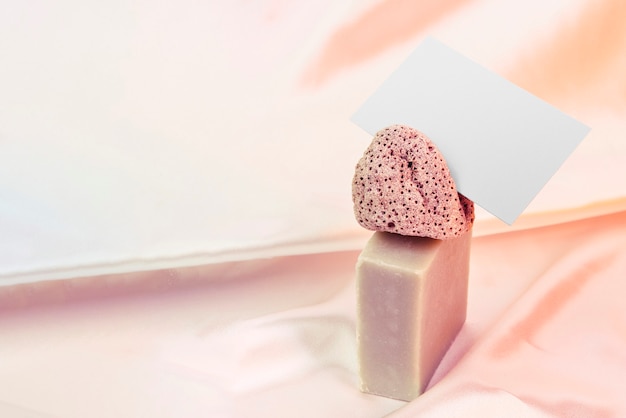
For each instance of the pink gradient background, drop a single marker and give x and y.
(180, 297)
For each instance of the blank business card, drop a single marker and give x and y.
(501, 143)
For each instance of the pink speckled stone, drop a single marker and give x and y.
(402, 185)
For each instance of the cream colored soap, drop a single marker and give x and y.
(412, 300)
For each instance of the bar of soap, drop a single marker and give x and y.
(412, 299)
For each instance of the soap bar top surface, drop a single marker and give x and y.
(413, 254)
(402, 184)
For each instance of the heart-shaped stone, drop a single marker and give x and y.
(403, 185)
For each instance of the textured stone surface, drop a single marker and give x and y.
(403, 185)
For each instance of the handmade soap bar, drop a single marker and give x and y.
(412, 298)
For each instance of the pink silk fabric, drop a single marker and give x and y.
(545, 336)
(273, 334)
(550, 340)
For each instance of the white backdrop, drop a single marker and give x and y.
(138, 135)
